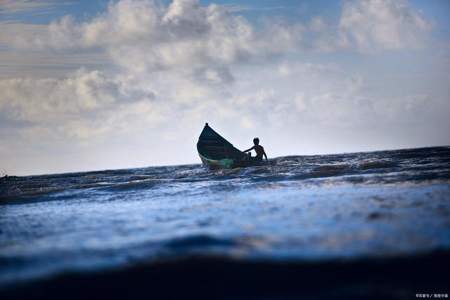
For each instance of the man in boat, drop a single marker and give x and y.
(258, 149)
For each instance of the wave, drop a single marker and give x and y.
(377, 164)
(132, 185)
(330, 170)
(411, 165)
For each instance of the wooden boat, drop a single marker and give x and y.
(216, 152)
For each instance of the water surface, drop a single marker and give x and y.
(300, 208)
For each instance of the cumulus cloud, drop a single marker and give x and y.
(180, 54)
(83, 102)
(43, 99)
(144, 36)
(381, 24)
(313, 96)
(370, 26)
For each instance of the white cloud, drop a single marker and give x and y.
(143, 36)
(206, 41)
(43, 99)
(83, 105)
(181, 55)
(381, 24)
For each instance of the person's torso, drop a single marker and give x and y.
(259, 151)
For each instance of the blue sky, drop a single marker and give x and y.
(101, 85)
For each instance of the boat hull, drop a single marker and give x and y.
(230, 163)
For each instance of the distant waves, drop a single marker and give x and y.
(397, 166)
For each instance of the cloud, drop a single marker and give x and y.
(372, 25)
(182, 53)
(81, 105)
(143, 36)
(313, 96)
(44, 99)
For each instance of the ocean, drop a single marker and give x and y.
(299, 212)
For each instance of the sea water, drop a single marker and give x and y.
(298, 208)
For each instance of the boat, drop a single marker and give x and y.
(217, 153)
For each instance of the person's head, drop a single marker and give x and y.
(256, 141)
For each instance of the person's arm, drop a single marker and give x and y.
(250, 149)
(265, 155)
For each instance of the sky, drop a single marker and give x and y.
(94, 85)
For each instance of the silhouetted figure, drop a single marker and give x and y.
(258, 149)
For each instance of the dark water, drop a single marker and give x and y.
(301, 208)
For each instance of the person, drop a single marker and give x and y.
(258, 149)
